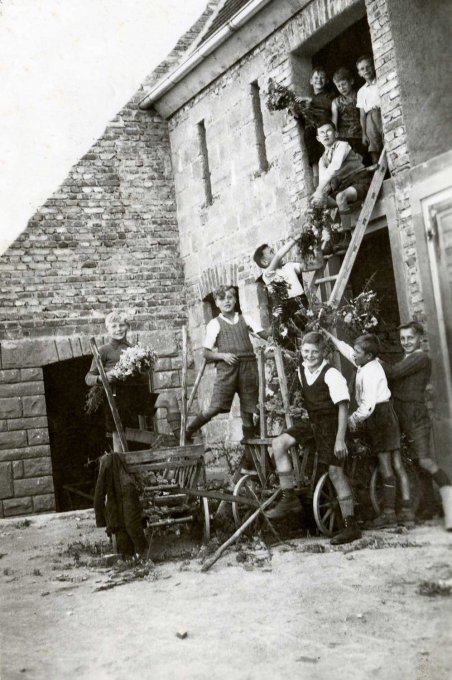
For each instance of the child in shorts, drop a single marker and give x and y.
(227, 343)
(408, 379)
(375, 412)
(368, 103)
(326, 398)
(345, 115)
(343, 179)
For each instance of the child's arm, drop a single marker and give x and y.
(278, 256)
(334, 113)
(210, 340)
(229, 358)
(418, 361)
(367, 399)
(362, 120)
(340, 447)
(345, 349)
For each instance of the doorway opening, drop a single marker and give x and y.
(76, 439)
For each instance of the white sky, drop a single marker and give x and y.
(66, 68)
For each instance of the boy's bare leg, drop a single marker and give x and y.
(289, 501)
(388, 517)
(406, 514)
(345, 497)
(344, 199)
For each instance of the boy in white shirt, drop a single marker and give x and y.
(235, 360)
(368, 103)
(326, 398)
(294, 306)
(376, 413)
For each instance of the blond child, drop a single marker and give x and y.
(368, 103)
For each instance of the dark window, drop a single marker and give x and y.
(205, 162)
(259, 127)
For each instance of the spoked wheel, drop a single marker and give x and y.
(376, 489)
(327, 513)
(248, 487)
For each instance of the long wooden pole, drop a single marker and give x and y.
(218, 553)
(191, 399)
(183, 402)
(110, 396)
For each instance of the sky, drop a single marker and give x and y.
(66, 68)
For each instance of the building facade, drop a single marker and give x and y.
(186, 182)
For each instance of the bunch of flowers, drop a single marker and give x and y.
(280, 97)
(133, 361)
(317, 230)
(357, 315)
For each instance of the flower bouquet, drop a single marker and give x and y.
(132, 362)
(280, 97)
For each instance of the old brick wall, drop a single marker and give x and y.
(108, 237)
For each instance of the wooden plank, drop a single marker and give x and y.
(261, 371)
(133, 434)
(110, 396)
(196, 385)
(358, 233)
(283, 385)
(154, 455)
(183, 398)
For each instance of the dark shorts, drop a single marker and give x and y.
(242, 379)
(415, 423)
(382, 428)
(291, 309)
(321, 431)
(374, 130)
(360, 182)
(131, 401)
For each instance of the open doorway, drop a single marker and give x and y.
(76, 439)
(344, 50)
(374, 260)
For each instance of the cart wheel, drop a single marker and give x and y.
(376, 489)
(325, 505)
(206, 531)
(250, 487)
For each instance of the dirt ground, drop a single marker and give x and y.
(304, 609)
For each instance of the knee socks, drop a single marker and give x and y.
(389, 493)
(197, 422)
(346, 506)
(440, 478)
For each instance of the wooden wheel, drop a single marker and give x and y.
(327, 513)
(248, 487)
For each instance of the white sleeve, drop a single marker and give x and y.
(255, 326)
(368, 396)
(212, 330)
(337, 386)
(359, 99)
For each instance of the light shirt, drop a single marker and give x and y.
(368, 97)
(371, 386)
(337, 384)
(332, 161)
(213, 328)
(290, 273)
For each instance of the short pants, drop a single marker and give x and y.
(242, 378)
(360, 182)
(322, 431)
(382, 428)
(415, 423)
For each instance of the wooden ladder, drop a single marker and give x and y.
(341, 279)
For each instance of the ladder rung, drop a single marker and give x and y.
(326, 279)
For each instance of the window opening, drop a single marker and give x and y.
(259, 127)
(205, 162)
